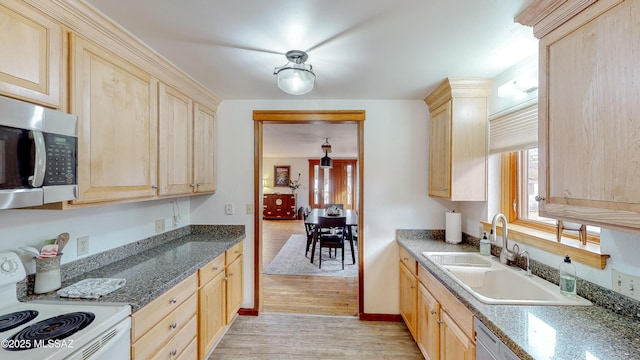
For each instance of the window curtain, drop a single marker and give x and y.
(514, 129)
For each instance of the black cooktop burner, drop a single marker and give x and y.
(13, 320)
(54, 328)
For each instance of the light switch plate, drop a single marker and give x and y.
(82, 246)
(625, 284)
(228, 209)
(159, 226)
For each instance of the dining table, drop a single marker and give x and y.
(312, 219)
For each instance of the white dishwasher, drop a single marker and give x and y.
(488, 346)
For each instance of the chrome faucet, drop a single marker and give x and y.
(505, 255)
(526, 253)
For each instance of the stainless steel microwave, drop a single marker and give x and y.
(38, 155)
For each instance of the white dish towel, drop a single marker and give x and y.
(92, 288)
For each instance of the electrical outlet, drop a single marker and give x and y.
(83, 245)
(625, 284)
(228, 209)
(159, 226)
(249, 208)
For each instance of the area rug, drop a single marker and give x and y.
(290, 260)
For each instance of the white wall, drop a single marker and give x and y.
(107, 226)
(395, 183)
(298, 166)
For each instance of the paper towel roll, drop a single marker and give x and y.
(453, 229)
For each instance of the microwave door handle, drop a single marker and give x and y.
(40, 165)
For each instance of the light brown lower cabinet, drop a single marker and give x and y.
(187, 321)
(163, 328)
(219, 297)
(441, 325)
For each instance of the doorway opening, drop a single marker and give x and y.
(262, 117)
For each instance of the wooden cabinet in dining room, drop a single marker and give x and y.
(116, 103)
(31, 62)
(458, 139)
(589, 128)
(279, 206)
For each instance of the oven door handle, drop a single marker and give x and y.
(40, 165)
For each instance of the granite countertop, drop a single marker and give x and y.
(155, 269)
(538, 332)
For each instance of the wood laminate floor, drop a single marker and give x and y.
(287, 336)
(296, 294)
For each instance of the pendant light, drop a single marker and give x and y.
(326, 162)
(296, 77)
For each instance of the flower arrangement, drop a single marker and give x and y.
(294, 184)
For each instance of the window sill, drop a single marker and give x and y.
(588, 254)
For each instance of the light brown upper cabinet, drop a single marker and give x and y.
(204, 149)
(33, 41)
(187, 145)
(458, 139)
(116, 103)
(589, 110)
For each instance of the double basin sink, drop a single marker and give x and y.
(492, 282)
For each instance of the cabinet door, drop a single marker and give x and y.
(204, 149)
(176, 151)
(31, 60)
(589, 161)
(116, 103)
(211, 314)
(408, 298)
(234, 288)
(428, 327)
(440, 151)
(454, 343)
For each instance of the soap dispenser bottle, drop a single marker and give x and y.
(485, 245)
(567, 277)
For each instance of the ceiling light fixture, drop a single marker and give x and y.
(296, 77)
(326, 162)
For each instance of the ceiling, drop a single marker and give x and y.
(359, 49)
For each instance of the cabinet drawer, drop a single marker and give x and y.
(165, 329)
(457, 311)
(209, 271)
(408, 261)
(147, 317)
(233, 253)
(190, 352)
(178, 343)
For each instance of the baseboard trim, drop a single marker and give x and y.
(381, 317)
(248, 311)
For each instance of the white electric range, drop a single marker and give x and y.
(56, 330)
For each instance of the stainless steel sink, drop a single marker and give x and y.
(494, 283)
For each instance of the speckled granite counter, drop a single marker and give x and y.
(151, 266)
(538, 332)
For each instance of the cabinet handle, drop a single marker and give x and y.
(198, 185)
(405, 259)
(225, 278)
(215, 268)
(192, 185)
(439, 321)
(173, 325)
(433, 312)
(230, 274)
(237, 252)
(444, 189)
(154, 187)
(173, 301)
(412, 287)
(174, 352)
(539, 198)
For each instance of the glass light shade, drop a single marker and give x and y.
(296, 79)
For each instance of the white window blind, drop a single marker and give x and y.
(514, 129)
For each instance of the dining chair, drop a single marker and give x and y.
(309, 229)
(332, 239)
